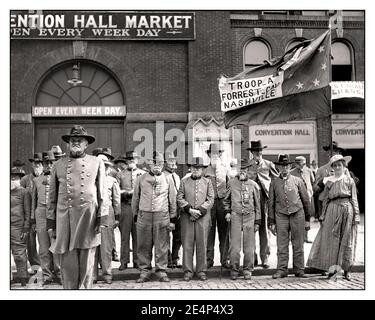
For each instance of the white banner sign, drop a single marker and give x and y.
(347, 89)
(240, 93)
(350, 135)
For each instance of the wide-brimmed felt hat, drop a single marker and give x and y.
(17, 171)
(335, 146)
(157, 156)
(18, 163)
(48, 156)
(244, 163)
(339, 157)
(131, 155)
(283, 160)
(107, 152)
(57, 151)
(214, 148)
(197, 162)
(78, 131)
(38, 157)
(105, 159)
(96, 151)
(256, 146)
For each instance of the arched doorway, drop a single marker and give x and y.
(83, 104)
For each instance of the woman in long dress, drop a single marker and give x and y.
(335, 244)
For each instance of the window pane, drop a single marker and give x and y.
(292, 44)
(340, 53)
(113, 99)
(256, 52)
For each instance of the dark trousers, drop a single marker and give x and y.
(32, 252)
(127, 227)
(48, 261)
(264, 249)
(176, 243)
(218, 217)
(104, 254)
(18, 248)
(293, 225)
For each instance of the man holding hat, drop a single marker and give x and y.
(307, 175)
(195, 199)
(27, 182)
(262, 172)
(242, 209)
(105, 250)
(77, 209)
(218, 175)
(154, 210)
(20, 206)
(170, 168)
(127, 179)
(49, 264)
(289, 217)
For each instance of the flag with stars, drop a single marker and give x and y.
(293, 87)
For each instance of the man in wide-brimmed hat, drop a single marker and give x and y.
(77, 209)
(154, 210)
(57, 152)
(170, 168)
(127, 179)
(242, 209)
(218, 174)
(20, 206)
(49, 263)
(27, 182)
(262, 172)
(288, 217)
(104, 252)
(307, 175)
(195, 199)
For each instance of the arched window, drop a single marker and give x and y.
(98, 87)
(293, 43)
(342, 66)
(256, 52)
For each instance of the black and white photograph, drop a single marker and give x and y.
(187, 149)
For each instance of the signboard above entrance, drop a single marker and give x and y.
(79, 111)
(102, 25)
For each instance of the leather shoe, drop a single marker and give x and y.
(265, 265)
(247, 276)
(23, 282)
(210, 264)
(95, 281)
(142, 279)
(227, 265)
(347, 276)
(164, 279)
(308, 241)
(233, 276)
(123, 267)
(188, 276)
(300, 274)
(279, 274)
(108, 281)
(135, 265)
(47, 282)
(202, 277)
(115, 257)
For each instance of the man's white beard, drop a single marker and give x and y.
(76, 151)
(156, 170)
(243, 176)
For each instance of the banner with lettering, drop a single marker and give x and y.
(347, 89)
(102, 25)
(79, 111)
(286, 88)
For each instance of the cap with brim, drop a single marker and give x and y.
(38, 157)
(197, 162)
(79, 132)
(107, 152)
(339, 157)
(49, 156)
(105, 159)
(57, 152)
(129, 155)
(335, 146)
(283, 160)
(300, 159)
(17, 171)
(120, 159)
(256, 146)
(157, 156)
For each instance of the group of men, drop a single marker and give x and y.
(74, 202)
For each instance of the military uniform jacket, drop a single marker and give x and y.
(307, 175)
(218, 178)
(127, 180)
(197, 194)
(262, 173)
(154, 194)
(27, 182)
(39, 198)
(288, 196)
(78, 202)
(20, 207)
(243, 197)
(114, 199)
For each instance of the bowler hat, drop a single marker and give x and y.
(335, 146)
(339, 157)
(107, 152)
(244, 163)
(18, 163)
(17, 171)
(38, 157)
(283, 160)
(214, 148)
(96, 151)
(48, 156)
(57, 152)
(197, 162)
(256, 146)
(157, 156)
(78, 131)
(131, 155)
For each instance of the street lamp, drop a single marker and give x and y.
(75, 80)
